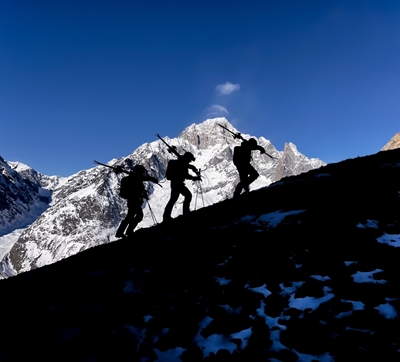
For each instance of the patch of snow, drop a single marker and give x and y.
(356, 306)
(367, 277)
(130, 288)
(230, 309)
(224, 263)
(170, 355)
(369, 224)
(320, 278)
(263, 290)
(290, 290)
(326, 357)
(275, 218)
(8, 241)
(349, 262)
(215, 342)
(359, 330)
(387, 310)
(139, 334)
(275, 328)
(223, 281)
(310, 302)
(244, 336)
(392, 240)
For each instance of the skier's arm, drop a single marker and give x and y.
(196, 171)
(261, 149)
(193, 178)
(193, 168)
(151, 179)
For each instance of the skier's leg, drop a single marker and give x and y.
(242, 184)
(136, 219)
(173, 198)
(188, 198)
(252, 175)
(124, 223)
(121, 228)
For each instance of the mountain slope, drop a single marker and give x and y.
(305, 269)
(22, 199)
(86, 208)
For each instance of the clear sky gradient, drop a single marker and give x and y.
(83, 80)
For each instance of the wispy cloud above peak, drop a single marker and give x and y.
(227, 88)
(216, 109)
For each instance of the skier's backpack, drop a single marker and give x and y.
(237, 155)
(173, 170)
(131, 187)
(125, 187)
(241, 154)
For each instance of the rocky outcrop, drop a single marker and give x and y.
(393, 143)
(22, 200)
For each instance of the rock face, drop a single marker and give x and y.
(306, 269)
(393, 143)
(86, 209)
(22, 198)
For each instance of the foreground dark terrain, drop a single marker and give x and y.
(306, 269)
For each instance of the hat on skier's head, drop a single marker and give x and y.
(189, 157)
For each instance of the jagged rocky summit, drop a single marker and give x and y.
(86, 208)
(393, 143)
(304, 270)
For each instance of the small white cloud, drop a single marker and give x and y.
(227, 88)
(217, 109)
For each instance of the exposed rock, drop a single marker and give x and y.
(393, 143)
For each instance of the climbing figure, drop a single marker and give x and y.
(177, 172)
(242, 158)
(132, 189)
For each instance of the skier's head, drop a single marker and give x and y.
(188, 156)
(252, 142)
(139, 169)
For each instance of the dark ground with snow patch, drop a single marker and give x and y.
(304, 269)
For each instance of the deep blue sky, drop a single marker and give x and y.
(83, 80)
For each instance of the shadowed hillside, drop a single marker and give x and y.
(305, 269)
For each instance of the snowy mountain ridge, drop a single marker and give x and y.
(86, 210)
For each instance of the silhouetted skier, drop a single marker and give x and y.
(177, 173)
(241, 159)
(133, 190)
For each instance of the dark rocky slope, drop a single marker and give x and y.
(305, 269)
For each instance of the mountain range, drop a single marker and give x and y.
(84, 210)
(306, 269)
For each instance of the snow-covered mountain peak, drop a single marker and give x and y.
(86, 209)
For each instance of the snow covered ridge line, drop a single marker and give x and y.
(86, 209)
